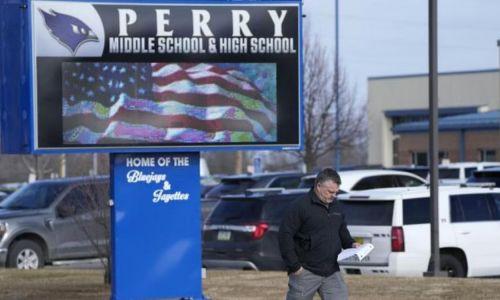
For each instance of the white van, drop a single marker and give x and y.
(396, 222)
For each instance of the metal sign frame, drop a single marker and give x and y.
(23, 136)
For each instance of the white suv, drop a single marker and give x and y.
(457, 173)
(396, 222)
(359, 180)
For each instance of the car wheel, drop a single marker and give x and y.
(452, 265)
(26, 255)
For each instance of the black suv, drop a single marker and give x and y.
(242, 232)
(238, 184)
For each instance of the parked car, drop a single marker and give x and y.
(370, 179)
(491, 175)
(51, 220)
(11, 187)
(3, 196)
(242, 231)
(396, 222)
(457, 173)
(421, 171)
(208, 183)
(238, 184)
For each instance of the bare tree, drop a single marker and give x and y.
(90, 209)
(17, 168)
(226, 162)
(40, 165)
(82, 164)
(320, 126)
(92, 216)
(281, 161)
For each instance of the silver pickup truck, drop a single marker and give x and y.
(51, 220)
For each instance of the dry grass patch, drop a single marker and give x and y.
(272, 285)
(53, 284)
(65, 284)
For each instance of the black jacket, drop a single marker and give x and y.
(312, 234)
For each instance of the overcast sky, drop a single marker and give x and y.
(389, 37)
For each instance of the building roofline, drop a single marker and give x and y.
(478, 121)
(443, 111)
(427, 74)
(447, 129)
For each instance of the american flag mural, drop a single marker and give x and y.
(113, 103)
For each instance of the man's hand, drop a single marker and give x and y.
(356, 245)
(298, 271)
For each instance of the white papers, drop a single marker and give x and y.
(355, 254)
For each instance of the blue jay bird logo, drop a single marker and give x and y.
(68, 30)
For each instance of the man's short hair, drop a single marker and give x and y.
(327, 174)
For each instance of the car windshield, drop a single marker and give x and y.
(422, 172)
(486, 177)
(372, 213)
(33, 196)
(449, 173)
(236, 211)
(307, 183)
(233, 186)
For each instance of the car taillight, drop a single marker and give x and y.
(260, 230)
(397, 239)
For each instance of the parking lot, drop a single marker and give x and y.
(55, 284)
(272, 285)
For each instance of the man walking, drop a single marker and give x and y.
(311, 236)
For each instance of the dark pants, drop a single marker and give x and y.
(304, 285)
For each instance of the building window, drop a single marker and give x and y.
(419, 158)
(487, 155)
(443, 155)
(395, 151)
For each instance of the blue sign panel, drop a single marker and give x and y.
(156, 246)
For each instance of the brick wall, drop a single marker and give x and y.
(450, 142)
(477, 140)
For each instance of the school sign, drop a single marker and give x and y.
(152, 83)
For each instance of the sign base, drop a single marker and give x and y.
(156, 226)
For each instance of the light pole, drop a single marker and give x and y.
(336, 87)
(433, 141)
